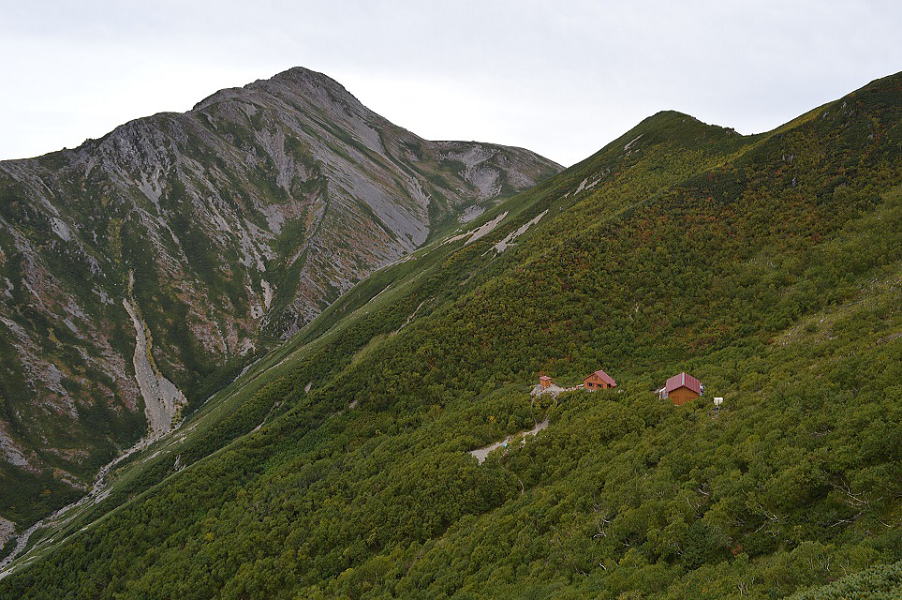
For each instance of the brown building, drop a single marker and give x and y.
(545, 381)
(599, 380)
(681, 388)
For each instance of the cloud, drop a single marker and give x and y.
(562, 79)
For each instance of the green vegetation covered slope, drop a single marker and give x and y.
(768, 266)
(879, 583)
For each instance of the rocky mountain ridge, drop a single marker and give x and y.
(239, 221)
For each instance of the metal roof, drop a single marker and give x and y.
(683, 380)
(604, 377)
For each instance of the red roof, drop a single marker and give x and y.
(604, 377)
(544, 378)
(683, 380)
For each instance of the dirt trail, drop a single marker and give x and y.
(481, 453)
(509, 239)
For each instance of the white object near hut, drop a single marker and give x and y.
(718, 401)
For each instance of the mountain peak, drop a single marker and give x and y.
(297, 81)
(304, 79)
(304, 75)
(251, 214)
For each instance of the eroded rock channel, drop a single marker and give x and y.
(162, 399)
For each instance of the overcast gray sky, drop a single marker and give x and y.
(560, 78)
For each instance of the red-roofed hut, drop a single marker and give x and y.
(599, 380)
(681, 389)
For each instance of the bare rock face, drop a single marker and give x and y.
(7, 531)
(241, 220)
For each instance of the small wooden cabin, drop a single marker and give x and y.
(681, 388)
(545, 381)
(599, 380)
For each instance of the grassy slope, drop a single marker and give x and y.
(769, 266)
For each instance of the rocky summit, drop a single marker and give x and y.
(141, 271)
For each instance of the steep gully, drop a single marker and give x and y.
(162, 404)
(162, 400)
